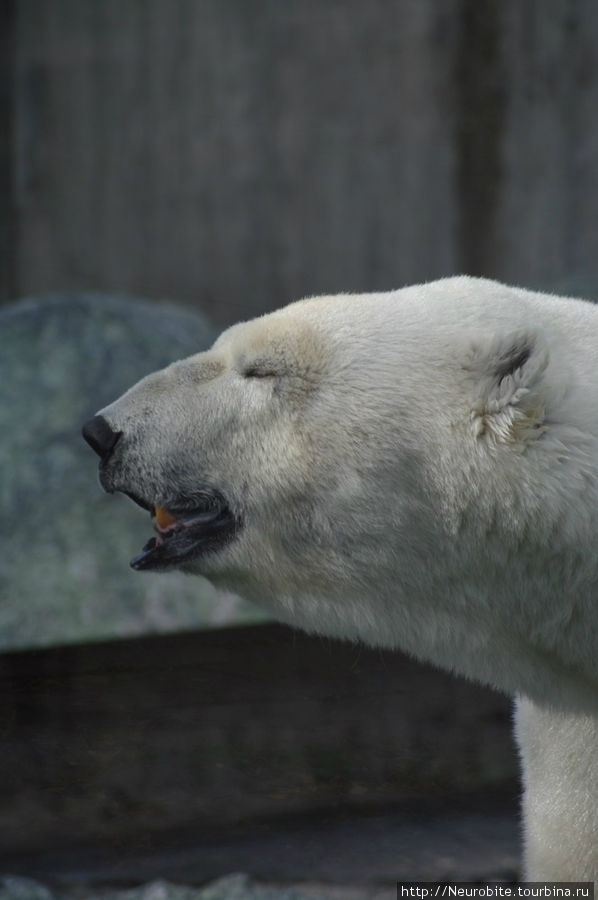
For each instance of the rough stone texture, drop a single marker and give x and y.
(232, 887)
(64, 573)
(15, 888)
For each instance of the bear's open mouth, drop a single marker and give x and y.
(182, 535)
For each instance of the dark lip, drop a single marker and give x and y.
(196, 531)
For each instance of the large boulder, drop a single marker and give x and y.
(64, 573)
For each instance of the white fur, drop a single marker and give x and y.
(416, 469)
(559, 753)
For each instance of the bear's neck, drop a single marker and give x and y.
(559, 752)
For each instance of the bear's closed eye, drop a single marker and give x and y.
(259, 370)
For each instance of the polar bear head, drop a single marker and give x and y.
(381, 467)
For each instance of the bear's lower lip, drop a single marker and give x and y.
(189, 534)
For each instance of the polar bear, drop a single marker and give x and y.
(415, 469)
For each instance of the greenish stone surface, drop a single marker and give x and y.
(231, 887)
(14, 888)
(64, 569)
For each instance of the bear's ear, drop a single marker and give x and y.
(508, 391)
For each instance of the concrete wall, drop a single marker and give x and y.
(174, 742)
(239, 155)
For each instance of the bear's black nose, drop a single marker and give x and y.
(100, 436)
